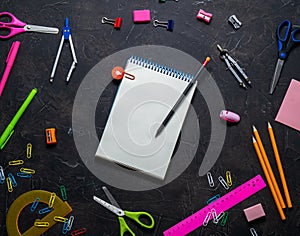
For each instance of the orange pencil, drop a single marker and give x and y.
(267, 163)
(279, 166)
(281, 213)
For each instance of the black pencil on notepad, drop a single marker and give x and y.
(179, 100)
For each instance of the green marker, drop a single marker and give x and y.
(10, 128)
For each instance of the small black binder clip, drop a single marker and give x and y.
(169, 25)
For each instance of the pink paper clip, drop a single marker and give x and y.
(205, 16)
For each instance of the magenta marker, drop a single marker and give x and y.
(229, 116)
(9, 63)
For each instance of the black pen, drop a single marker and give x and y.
(185, 92)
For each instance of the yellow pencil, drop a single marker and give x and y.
(267, 163)
(279, 166)
(281, 213)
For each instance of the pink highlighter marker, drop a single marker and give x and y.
(9, 63)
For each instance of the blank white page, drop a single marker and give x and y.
(139, 108)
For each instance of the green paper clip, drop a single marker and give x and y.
(224, 218)
(63, 192)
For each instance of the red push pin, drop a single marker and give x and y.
(119, 73)
(116, 22)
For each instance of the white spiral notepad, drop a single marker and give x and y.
(139, 108)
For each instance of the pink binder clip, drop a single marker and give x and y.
(229, 116)
(205, 16)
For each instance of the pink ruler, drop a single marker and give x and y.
(224, 203)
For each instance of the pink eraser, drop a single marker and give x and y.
(140, 16)
(254, 212)
(229, 116)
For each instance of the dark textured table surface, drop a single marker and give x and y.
(253, 45)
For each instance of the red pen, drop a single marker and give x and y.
(9, 63)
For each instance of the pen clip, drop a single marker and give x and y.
(7, 139)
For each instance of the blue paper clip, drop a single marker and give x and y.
(65, 228)
(45, 210)
(212, 199)
(24, 175)
(2, 176)
(13, 180)
(34, 204)
(169, 25)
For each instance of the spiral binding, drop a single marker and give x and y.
(160, 68)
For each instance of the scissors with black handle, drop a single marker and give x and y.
(287, 38)
(16, 26)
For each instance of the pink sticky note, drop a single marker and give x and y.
(141, 16)
(289, 112)
(254, 212)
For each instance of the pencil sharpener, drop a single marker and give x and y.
(204, 16)
(50, 136)
(234, 21)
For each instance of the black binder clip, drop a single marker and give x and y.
(167, 24)
(116, 22)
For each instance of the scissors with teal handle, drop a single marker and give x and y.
(135, 216)
(15, 26)
(287, 38)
